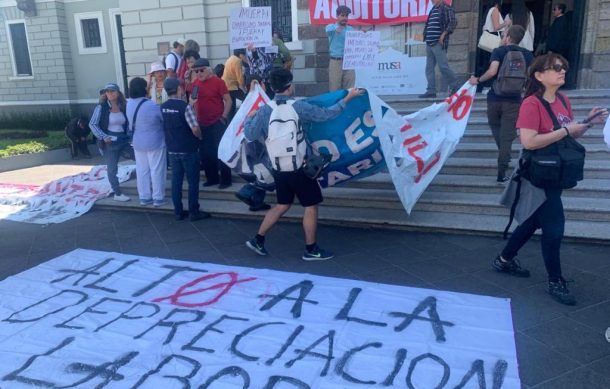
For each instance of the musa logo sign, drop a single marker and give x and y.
(389, 66)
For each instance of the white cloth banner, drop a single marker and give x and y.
(59, 200)
(94, 319)
(416, 146)
(607, 133)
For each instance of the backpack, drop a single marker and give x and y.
(285, 141)
(512, 75)
(177, 62)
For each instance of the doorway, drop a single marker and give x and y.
(542, 12)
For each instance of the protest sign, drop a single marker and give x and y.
(394, 73)
(59, 200)
(250, 26)
(417, 145)
(361, 49)
(367, 12)
(93, 319)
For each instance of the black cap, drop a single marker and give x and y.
(343, 10)
(200, 63)
(171, 84)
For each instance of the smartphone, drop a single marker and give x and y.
(587, 120)
(195, 92)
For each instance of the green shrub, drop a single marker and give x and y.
(11, 147)
(52, 120)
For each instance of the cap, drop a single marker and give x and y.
(171, 84)
(110, 86)
(342, 9)
(200, 63)
(156, 66)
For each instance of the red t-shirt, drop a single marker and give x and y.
(210, 104)
(534, 116)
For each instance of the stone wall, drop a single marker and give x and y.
(49, 45)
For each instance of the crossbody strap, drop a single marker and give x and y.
(135, 115)
(547, 106)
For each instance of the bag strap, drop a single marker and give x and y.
(547, 106)
(135, 115)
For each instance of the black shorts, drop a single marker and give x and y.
(289, 184)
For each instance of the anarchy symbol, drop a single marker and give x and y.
(222, 288)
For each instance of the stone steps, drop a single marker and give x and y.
(463, 198)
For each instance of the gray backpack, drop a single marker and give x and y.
(512, 75)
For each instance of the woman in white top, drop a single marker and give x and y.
(523, 17)
(494, 22)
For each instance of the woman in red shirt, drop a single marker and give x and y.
(536, 130)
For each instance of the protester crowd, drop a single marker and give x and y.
(180, 113)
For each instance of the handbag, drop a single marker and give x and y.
(489, 41)
(558, 165)
(314, 165)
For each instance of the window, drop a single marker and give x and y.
(90, 33)
(19, 47)
(284, 17)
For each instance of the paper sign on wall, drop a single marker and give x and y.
(250, 25)
(361, 49)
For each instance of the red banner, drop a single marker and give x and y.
(367, 12)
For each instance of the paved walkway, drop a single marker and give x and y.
(558, 346)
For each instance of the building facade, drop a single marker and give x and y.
(58, 56)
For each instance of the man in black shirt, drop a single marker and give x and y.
(502, 111)
(559, 33)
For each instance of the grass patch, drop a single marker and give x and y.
(30, 142)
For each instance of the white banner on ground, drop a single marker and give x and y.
(416, 146)
(250, 26)
(95, 319)
(59, 200)
(361, 49)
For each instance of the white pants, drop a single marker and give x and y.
(151, 172)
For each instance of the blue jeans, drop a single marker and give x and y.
(551, 219)
(185, 163)
(112, 154)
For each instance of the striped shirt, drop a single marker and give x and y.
(433, 27)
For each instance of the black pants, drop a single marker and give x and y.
(78, 141)
(208, 150)
(236, 94)
(551, 219)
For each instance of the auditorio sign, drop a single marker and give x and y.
(92, 319)
(372, 11)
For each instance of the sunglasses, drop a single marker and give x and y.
(558, 67)
(200, 70)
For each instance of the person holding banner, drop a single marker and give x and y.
(295, 182)
(502, 109)
(440, 25)
(337, 77)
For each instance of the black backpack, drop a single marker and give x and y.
(512, 75)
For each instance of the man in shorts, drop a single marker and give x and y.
(292, 183)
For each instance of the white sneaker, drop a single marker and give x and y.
(121, 197)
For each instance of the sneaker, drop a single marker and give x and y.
(256, 247)
(559, 291)
(262, 207)
(159, 203)
(144, 203)
(317, 254)
(121, 197)
(181, 216)
(502, 179)
(224, 186)
(427, 95)
(512, 267)
(199, 216)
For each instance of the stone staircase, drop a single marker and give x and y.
(463, 198)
